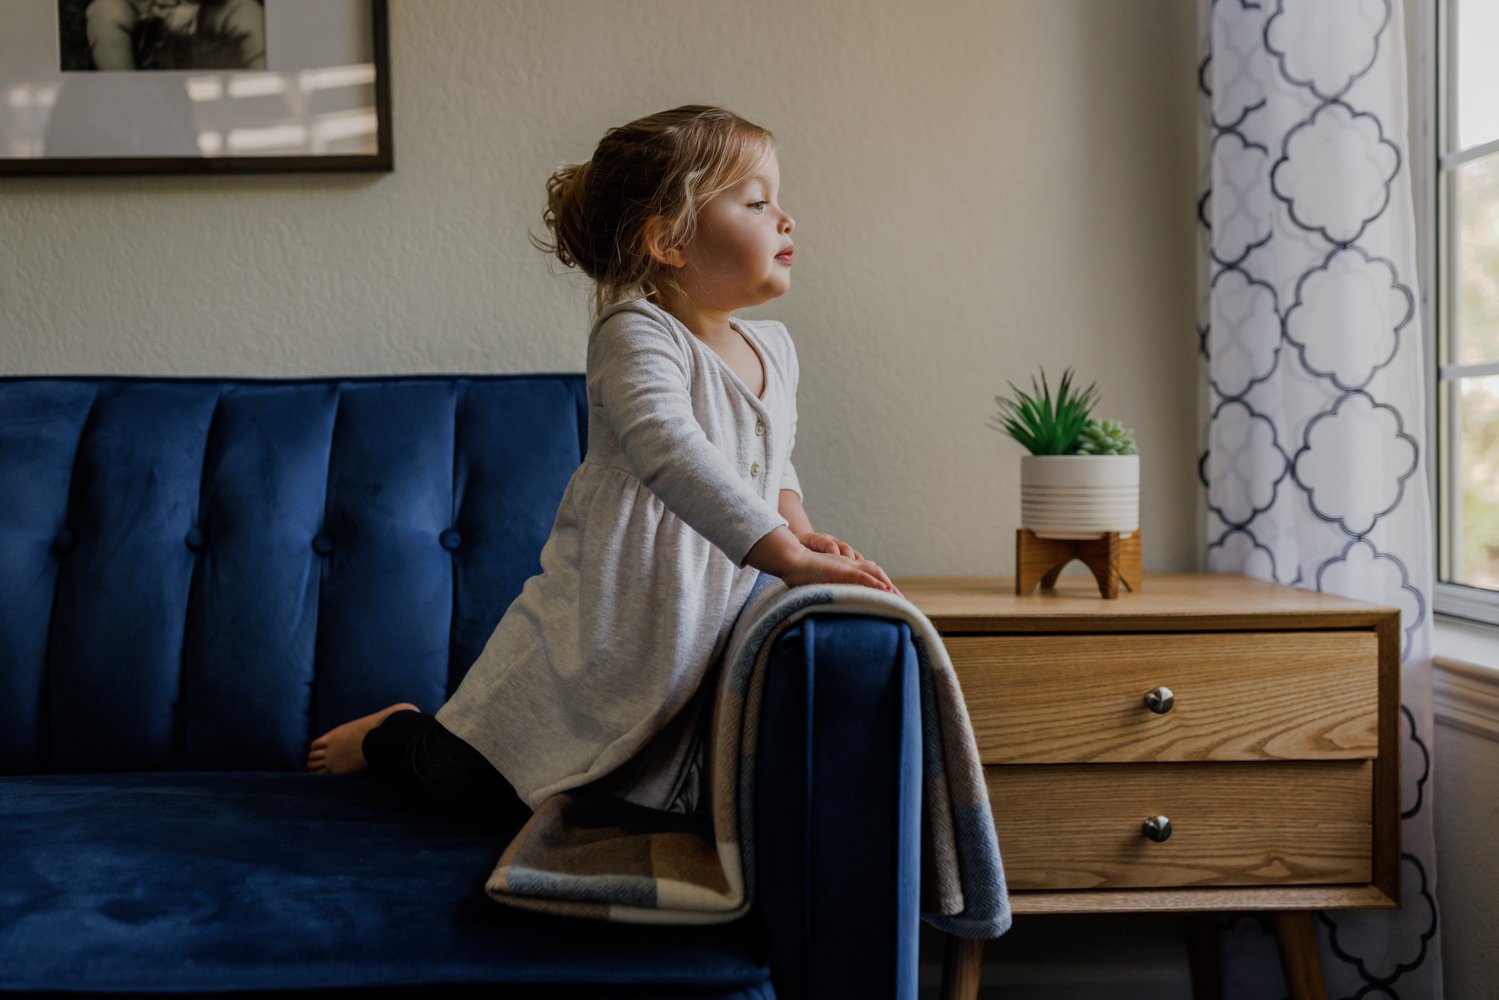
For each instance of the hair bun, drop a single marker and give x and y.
(564, 215)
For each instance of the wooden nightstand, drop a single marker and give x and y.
(1213, 742)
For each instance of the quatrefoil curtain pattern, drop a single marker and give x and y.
(1312, 458)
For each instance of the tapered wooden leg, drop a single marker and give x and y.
(962, 961)
(1103, 559)
(1296, 936)
(1204, 957)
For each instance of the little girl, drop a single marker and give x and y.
(686, 494)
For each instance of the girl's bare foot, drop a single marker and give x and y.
(340, 749)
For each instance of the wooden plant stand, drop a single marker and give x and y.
(1113, 558)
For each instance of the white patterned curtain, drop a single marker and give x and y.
(1312, 400)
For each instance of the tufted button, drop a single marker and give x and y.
(322, 543)
(194, 539)
(755, 469)
(64, 541)
(450, 539)
(759, 427)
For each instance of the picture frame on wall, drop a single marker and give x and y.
(194, 86)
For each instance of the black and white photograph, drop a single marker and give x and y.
(128, 35)
(190, 86)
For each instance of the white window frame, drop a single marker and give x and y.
(1432, 123)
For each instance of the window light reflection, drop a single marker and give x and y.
(251, 140)
(213, 97)
(205, 88)
(345, 125)
(333, 77)
(26, 95)
(258, 85)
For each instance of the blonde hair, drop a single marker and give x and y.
(668, 164)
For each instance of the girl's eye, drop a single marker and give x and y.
(758, 204)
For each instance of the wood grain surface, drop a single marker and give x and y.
(1278, 764)
(1238, 696)
(1079, 826)
(1167, 601)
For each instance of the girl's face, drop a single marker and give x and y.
(740, 254)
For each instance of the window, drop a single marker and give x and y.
(1464, 254)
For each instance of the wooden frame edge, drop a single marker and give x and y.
(1386, 845)
(1217, 899)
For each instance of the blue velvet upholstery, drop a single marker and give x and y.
(838, 848)
(252, 880)
(199, 575)
(319, 588)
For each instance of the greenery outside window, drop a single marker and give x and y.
(1465, 334)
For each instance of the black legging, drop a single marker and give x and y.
(420, 755)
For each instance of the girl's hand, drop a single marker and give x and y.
(821, 541)
(823, 567)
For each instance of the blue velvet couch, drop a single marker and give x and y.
(197, 576)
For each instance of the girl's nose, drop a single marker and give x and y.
(787, 223)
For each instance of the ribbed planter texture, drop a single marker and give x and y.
(1080, 496)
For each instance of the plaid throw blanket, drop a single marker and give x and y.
(589, 854)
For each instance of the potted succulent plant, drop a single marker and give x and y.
(1082, 476)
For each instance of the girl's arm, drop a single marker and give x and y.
(791, 509)
(801, 526)
(640, 376)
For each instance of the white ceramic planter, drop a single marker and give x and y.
(1080, 496)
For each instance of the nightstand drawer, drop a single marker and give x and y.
(1244, 824)
(1238, 696)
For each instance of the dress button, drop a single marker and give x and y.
(64, 541)
(194, 539)
(322, 544)
(755, 469)
(759, 427)
(450, 539)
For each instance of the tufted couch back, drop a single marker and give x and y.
(204, 574)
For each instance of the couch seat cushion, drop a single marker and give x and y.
(253, 880)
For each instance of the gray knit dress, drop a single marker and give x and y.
(593, 674)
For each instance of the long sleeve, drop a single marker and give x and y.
(639, 376)
(789, 480)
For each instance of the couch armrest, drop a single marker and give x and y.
(838, 809)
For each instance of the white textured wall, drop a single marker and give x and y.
(980, 187)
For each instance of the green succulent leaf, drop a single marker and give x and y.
(1043, 425)
(1106, 437)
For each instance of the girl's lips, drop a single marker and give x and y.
(786, 256)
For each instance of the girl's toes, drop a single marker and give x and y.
(320, 743)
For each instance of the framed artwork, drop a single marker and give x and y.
(193, 86)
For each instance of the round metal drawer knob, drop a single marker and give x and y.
(1160, 700)
(1158, 828)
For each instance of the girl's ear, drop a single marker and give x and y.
(654, 234)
